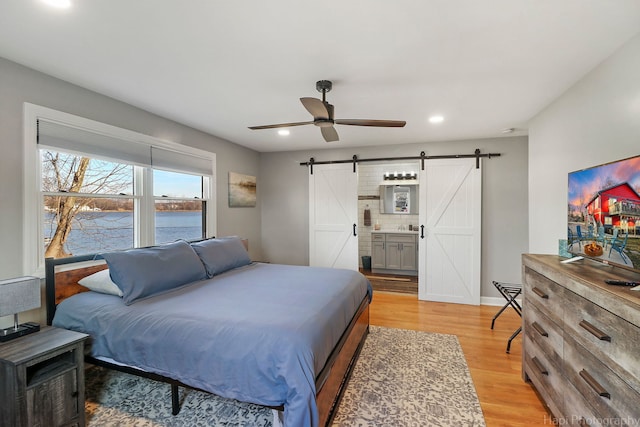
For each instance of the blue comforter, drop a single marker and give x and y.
(259, 333)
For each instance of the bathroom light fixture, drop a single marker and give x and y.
(436, 119)
(283, 132)
(398, 176)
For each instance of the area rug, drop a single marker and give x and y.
(402, 378)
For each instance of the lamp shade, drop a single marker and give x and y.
(19, 294)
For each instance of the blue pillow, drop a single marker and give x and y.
(223, 254)
(145, 272)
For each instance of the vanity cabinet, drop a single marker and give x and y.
(581, 340)
(394, 253)
(378, 254)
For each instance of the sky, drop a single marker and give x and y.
(170, 184)
(584, 184)
(176, 184)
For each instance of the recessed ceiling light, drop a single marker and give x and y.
(283, 132)
(60, 4)
(436, 119)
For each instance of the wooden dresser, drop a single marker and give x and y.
(581, 340)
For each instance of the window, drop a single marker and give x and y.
(88, 204)
(92, 187)
(179, 208)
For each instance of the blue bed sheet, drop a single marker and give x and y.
(259, 333)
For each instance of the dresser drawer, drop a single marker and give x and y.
(545, 294)
(579, 412)
(544, 333)
(613, 340)
(612, 398)
(545, 376)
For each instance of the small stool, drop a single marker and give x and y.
(510, 291)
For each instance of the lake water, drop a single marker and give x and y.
(101, 231)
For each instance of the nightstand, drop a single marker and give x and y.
(42, 379)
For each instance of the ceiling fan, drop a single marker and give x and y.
(322, 113)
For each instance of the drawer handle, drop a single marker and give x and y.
(540, 367)
(595, 385)
(595, 331)
(539, 329)
(540, 293)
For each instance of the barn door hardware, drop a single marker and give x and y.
(422, 157)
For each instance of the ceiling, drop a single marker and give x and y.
(221, 66)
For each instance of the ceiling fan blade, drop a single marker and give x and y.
(315, 107)
(329, 133)
(281, 125)
(376, 123)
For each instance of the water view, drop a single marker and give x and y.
(102, 231)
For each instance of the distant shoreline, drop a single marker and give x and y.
(123, 211)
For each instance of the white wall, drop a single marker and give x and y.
(19, 84)
(285, 206)
(595, 121)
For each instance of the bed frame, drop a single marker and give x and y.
(330, 382)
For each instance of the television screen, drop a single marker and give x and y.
(604, 213)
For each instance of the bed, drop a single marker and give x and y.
(202, 315)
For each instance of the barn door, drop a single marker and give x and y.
(450, 218)
(333, 211)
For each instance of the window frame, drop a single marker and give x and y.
(144, 227)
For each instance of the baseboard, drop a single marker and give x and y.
(497, 301)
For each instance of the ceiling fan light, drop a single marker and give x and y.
(323, 123)
(322, 113)
(60, 4)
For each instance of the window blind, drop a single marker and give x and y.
(163, 158)
(68, 138)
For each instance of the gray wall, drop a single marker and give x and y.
(285, 194)
(595, 121)
(19, 84)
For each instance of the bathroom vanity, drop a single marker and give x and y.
(394, 252)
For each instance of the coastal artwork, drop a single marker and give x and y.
(242, 190)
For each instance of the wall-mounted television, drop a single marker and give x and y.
(604, 213)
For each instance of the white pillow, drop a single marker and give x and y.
(101, 282)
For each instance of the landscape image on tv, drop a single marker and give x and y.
(604, 213)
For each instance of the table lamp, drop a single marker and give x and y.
(18, 295)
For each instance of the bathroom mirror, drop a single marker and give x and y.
(399, 199)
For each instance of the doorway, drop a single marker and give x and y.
(441, 244)
(395, 219)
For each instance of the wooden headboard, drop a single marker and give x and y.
(63, 284)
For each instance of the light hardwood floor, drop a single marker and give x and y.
(505, 398)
